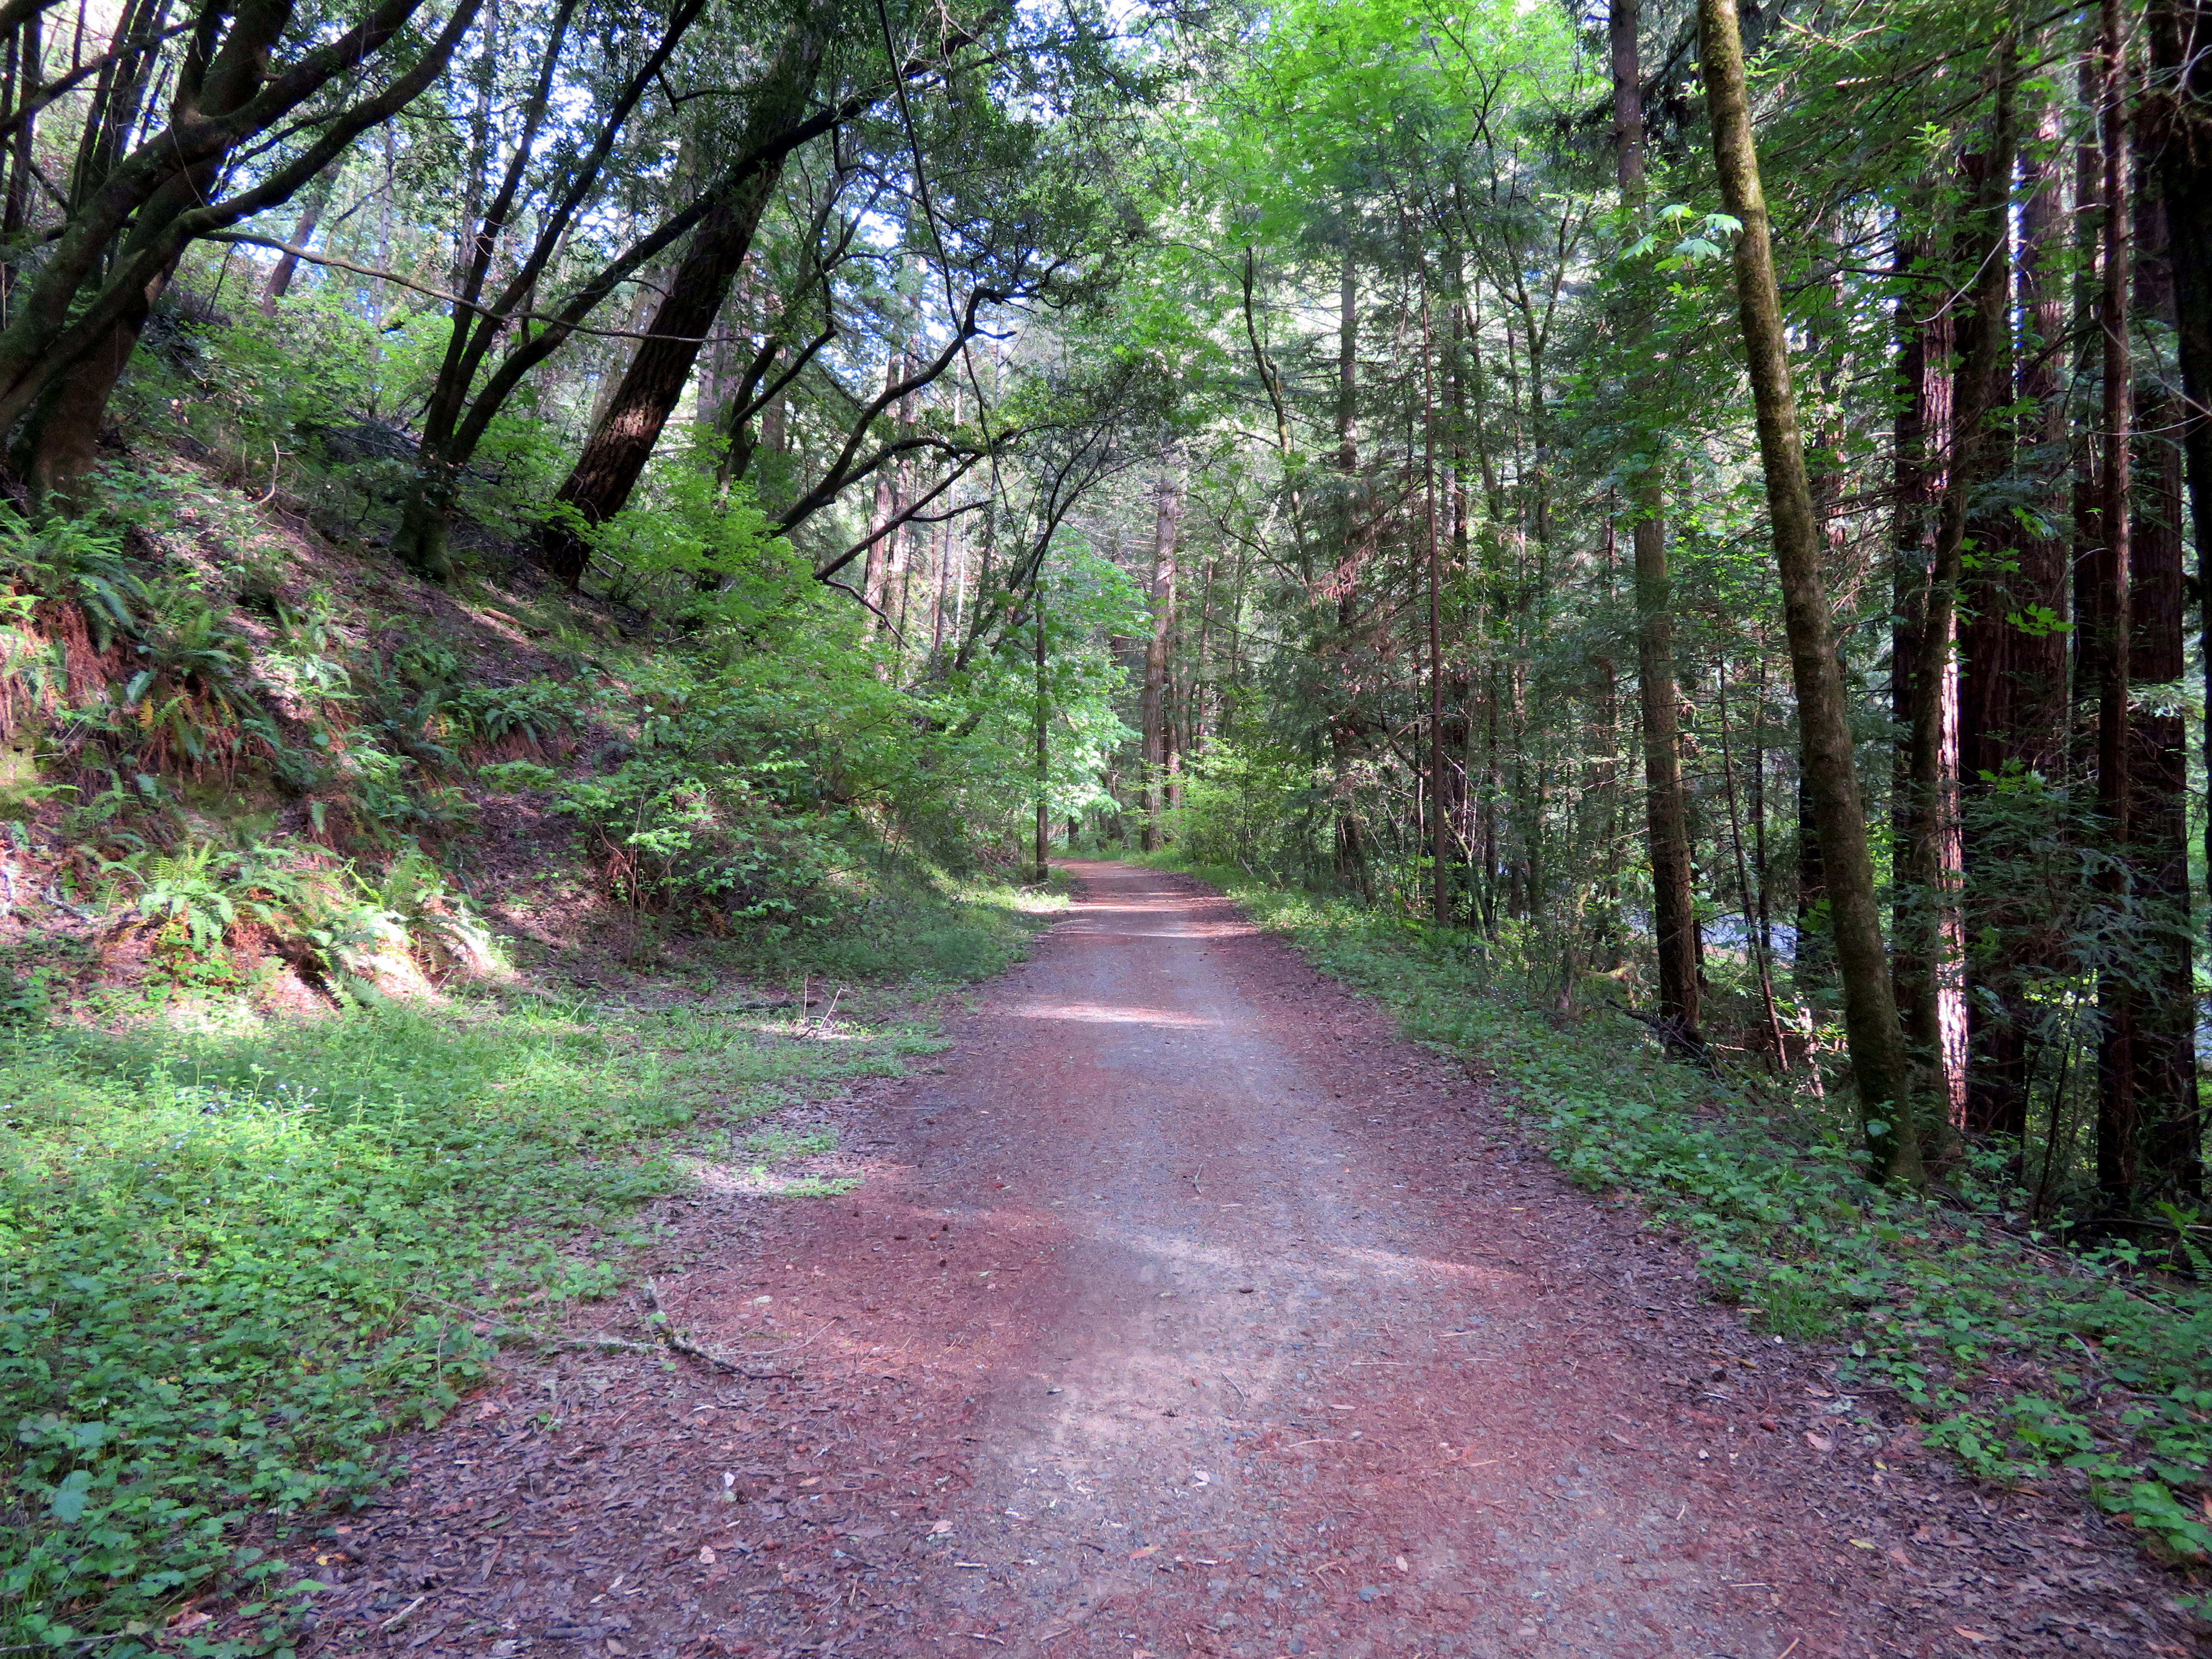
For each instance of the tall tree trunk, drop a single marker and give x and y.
(1929, 914)
(1345, 725)
(1166, 528)
(874, 571)
(2016, 709)
(2120, 1104)
(1813, 957)
(2158, 808)
(614, 455)
(2181, 106)
(1043, 750)
(1666, 813)
(1876, 1039)
(1440, 825)
(1926, 339)
(1459, 715)
(2090, 632)
(945, 605)
(1812, 966)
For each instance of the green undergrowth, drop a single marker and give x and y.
(2022, 1360)
(240, 1252)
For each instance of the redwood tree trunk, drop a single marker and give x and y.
(2181, 64)
(622, 441)
(873, 571)
(2016, 705)
(1931, 938)
(2171, 1162)
(2119, 1068)
(1926, 343)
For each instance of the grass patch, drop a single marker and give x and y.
(784, 1143)
(239, 1254)
(812, 1186)
(2023, 1361)
(905, 923)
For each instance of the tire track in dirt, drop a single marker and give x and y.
(1188, 1310)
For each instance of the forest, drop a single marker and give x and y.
(1685, 522)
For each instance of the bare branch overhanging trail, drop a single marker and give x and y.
(1188, 1310)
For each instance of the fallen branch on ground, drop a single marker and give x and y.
(677, 1341)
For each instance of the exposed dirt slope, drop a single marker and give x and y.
(1190, 1311)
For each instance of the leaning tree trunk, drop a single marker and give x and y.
(622, 441)
(58, 443)
(1874, 1035)
(72, 327)
(317, 197)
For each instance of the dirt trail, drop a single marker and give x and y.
(1187, 1311)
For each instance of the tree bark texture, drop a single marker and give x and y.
(73, 326)
(2015, 711)
(317, 197)
(2121, 1119)
(1875, 1037)
(2179, 111)
(1930, 952)
(614, 455)
(1440, 899)
(1666, 812)
(873, 572)
(1926, 342)
(58, 443)
(2170, 1159)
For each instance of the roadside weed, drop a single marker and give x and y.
(239, 1253)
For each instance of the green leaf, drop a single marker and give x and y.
(69, 1498)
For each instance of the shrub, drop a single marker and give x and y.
(701, 838)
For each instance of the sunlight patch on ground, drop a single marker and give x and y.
(1101, 1014)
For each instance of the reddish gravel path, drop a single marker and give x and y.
(1186, 1311)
